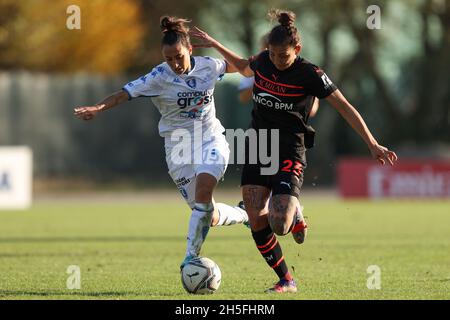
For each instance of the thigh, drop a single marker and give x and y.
(215, 157)
(286, 185)
(289, 178)
(185, 180)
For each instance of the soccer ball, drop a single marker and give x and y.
(201, 276)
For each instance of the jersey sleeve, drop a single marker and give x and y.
(319, 85)
(253, 64)
(145, 86)
(255, 60)
(219, 67)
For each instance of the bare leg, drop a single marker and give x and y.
(282, 209)
(256, 204)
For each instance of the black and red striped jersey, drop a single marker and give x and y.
(283, 99)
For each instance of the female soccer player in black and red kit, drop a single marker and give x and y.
(285, 85)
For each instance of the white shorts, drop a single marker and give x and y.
(214, 161)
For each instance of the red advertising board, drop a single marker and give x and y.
(365, 178)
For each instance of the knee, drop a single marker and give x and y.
(204, 188)
(279, 225)
(203, 195)
(281, 214)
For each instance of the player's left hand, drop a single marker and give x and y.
(383, 154)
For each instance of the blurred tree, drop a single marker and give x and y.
(429, 77)
(149, 53)
(414, 105)
(238, 23)
(34, 35)
(9, 16)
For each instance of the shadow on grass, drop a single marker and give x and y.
(91, 239)
(62, 293)
(109, 239)
(78, 293)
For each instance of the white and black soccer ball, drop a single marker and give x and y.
(201, 276)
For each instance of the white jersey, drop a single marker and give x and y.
(182, 99)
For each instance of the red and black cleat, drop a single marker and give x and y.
(283, 286)
(300, 228)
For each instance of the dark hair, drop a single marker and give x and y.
(174, 31)
(285, 33)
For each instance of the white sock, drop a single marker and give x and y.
(229, 215)
(198, 228)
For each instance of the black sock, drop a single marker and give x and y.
(270, 249)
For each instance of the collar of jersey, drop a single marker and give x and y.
(292, 66)
(190, 71)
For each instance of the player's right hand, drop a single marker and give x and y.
(207, 40)
(86, 113)
(383, 154)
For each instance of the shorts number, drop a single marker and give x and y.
(288, 166)
(297, 170)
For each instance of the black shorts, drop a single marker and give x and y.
(289, 177)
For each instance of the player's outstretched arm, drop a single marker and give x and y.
(89, 112)
(352, 116)
(242, 65)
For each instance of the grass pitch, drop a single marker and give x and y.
(132, 250)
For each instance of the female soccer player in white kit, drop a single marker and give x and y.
(182, 89)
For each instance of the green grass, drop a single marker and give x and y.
(132, 251)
